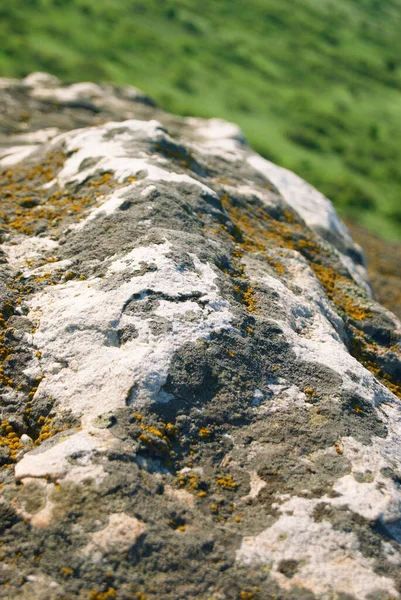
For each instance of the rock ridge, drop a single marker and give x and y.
(199, 395)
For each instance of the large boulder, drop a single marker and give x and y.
(199, 396)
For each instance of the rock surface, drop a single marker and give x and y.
(199, 396)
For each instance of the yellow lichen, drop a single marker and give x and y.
(226, 482)
(257, 231)
(153, 430)
(335, 286)
(244, 595)
(204, 433)
(158, 437)
(189, 480)
(170, 430)
(95, 595)
(10, 440)
(27, 202)
(177, 526)
(338, 448)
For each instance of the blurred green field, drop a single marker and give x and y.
(314, 84)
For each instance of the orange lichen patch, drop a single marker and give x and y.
(20, 189)
(170, 430)
(310, 392)
(246, 295)
(226, 482)
(102, 180)
(204, 433)
(289, 216)
(367, 353)
(163, 431)
(10, 440)
(27, 205)
(335, 286)
(25, 285)
(251, 235)
(214, 507)
(47, 430)
(193, 483)
(260, 232)
(385, 378)
(244, 595)
(95, 595)
(177, 525)
(152, 430)
(277, 266)
(31, 395)
(249, 299)
(157, 438)
(189, 480)
(257, 231)
(338, 448)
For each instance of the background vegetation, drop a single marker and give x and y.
(315, 84)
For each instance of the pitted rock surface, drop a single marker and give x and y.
(199, 396)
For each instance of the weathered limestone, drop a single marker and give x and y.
(199, 395)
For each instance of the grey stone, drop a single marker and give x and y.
(199, 397)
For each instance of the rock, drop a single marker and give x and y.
(120, 534)
(26, 440)
(199, 395)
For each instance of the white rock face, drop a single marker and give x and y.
(120, 534)
(54, 463)
(316, 210)
(193, 358)
(334, 562)
(79, 321)
(313, 207)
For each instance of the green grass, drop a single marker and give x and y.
(315, 84)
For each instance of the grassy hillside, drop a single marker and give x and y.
(315, 84)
